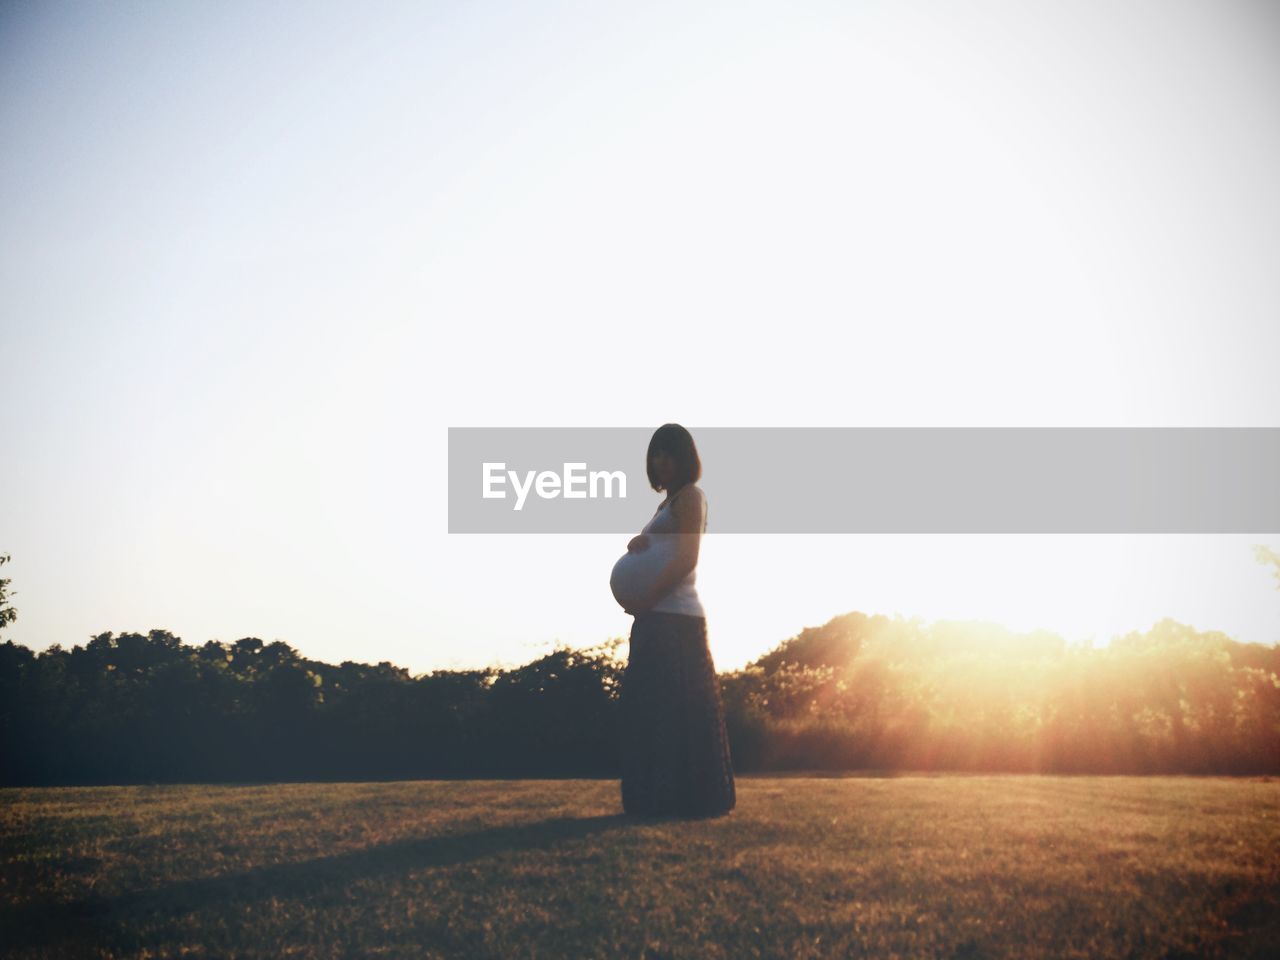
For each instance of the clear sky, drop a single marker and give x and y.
(256, 258)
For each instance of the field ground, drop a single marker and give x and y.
(905, 866)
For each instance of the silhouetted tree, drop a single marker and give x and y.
(858, 691)
(8, 613)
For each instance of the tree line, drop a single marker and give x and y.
(859, 692)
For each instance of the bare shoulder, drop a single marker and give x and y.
(690, 493)
(689, 505)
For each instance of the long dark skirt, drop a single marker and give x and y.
(675, 751)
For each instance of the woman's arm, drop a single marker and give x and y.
(688, 508)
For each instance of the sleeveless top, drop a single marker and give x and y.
(683, 597)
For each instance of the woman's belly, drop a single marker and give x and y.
(635, 573)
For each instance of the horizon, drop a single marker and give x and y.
(923, 624)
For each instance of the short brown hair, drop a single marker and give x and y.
(675, 440)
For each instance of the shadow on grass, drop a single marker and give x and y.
(107, 920)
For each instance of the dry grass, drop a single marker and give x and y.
(929, 866)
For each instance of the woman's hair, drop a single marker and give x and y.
(676, 441)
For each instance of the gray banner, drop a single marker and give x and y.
(877, 479)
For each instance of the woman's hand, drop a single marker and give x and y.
(639, 542)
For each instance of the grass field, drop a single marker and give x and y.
(906, 866)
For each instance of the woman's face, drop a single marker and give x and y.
(664, 468)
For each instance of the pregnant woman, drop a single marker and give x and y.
(675, 751)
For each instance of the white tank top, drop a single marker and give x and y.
(683, 597)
